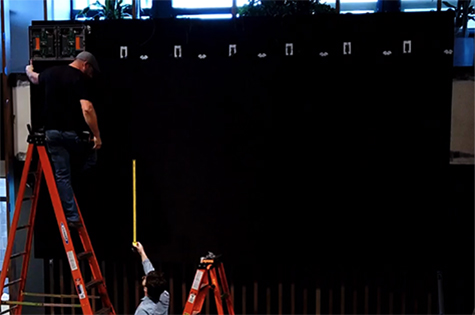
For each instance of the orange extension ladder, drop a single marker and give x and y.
(37, 141)
(209, 275)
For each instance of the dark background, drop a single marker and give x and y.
(337, 161)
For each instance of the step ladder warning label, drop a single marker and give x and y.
(197, 280)
(81, 292)
(192, 297)
(72, 261)
(65, 234)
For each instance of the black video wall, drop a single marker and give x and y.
(321, 136)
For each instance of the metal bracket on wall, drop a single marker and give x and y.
(407, 47)
(289, 49)
(123, 52)
(232, 50)
(347, 48)
(177, 51)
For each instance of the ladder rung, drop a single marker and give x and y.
(105, 310)
(12, 282)
(84, 255)
(71, 296)
(17, 255)
(29, 198)
(21, 227)
(40, 304)
(9, 310)
(92, 283)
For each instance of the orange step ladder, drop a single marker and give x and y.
(209, 275)
(37, 141)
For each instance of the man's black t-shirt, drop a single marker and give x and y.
(64, 87)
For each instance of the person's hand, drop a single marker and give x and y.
(97, 143)
(29, 68)
(139, 248)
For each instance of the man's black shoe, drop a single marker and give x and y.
(75, 224)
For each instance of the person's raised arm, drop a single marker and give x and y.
(32, 75)
(147, 265)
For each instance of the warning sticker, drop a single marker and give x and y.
(65, 234)
(191, 299)
(72, 260)
(81, 291)
(197, 280)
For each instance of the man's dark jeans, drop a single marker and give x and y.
(67, 151)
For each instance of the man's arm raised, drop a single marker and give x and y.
(32, 75)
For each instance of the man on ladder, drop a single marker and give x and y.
(66, 90)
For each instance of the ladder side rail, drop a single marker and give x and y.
(16, 216)
(64, 231)
(217, 290)
(226, 291)
(198, 292)
(93, 263)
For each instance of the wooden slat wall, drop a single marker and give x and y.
(332, 293)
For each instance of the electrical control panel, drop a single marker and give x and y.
(42, 43)
(60, 42)
(71, 41)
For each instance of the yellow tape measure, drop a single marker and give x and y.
(135, 204)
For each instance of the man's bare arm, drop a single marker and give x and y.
(90, 117)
